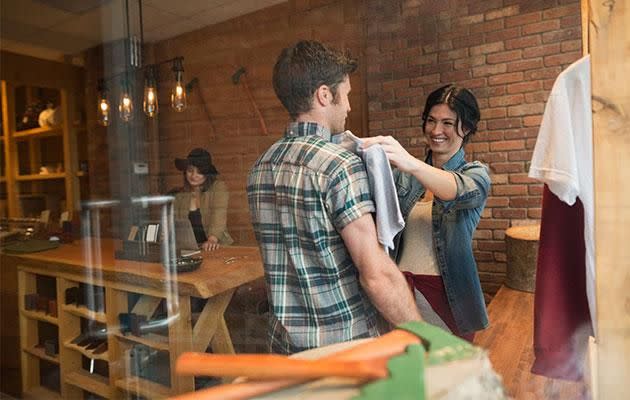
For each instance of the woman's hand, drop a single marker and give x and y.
(211, 244)
(397, 155)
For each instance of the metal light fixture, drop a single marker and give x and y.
(150, 102)
(125, 106)
(178, 95)
(103, 109)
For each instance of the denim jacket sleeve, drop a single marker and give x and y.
(473, 187)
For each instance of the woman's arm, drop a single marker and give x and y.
(441, 183)
(217, 209)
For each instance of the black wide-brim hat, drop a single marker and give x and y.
(199, 158)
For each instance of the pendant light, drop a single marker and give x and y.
(125, 106)
(150, 102)
(103, 108)
(178, 95)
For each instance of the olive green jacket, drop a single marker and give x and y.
(213, 206)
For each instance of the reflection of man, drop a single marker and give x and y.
(311, 210)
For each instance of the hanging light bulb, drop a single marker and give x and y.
(103, 108)
(125, 106)
(178, 95)
(150, 102)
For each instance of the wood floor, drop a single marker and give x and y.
(509, 341)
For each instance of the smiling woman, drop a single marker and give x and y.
(442, 199)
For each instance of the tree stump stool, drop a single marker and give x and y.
(522, 252)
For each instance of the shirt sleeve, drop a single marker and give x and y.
(473, 186)
(554, 162)
(348, 196)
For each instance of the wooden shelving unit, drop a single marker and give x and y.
(24, 80)
(73, 377)
(83, 311)
(89, 382)
(143, 387)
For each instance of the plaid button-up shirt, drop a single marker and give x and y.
(302, 192)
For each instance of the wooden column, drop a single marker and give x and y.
(609, 43)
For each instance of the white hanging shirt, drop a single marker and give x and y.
(563, 156)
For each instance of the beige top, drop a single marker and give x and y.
(418, 255)
(213, 206)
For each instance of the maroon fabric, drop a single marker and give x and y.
(432, 287)
(561, 315)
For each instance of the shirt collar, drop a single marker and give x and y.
(295, 129)
(453, 163)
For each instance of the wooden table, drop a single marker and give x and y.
(92, 262)
(509, 341)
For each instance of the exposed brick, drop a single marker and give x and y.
(502, 35)
(570, 21)
(488, 26)
(535, 190)
(493, 245)
(562, 59)
(525, 202)
(505, 123)
(502, 79)
(532, 120)
(493, 113)
(523, 87)
(493, 224)
(487, 48)
(401, 83)
(524, 65)
(506, 100)
(520, 155)
(539, 27)
(561, 35)
(557, 12)
(502, 12)
(535, 213)
(493, 202)
(507, 145)
(521, 178)
(482, 234)
(526, 109)
(508, 167)
(490, 69)
(509, 190)
(523, 42)
(540, 51)
(510, 213)
(504, 56)
(453, 54)
(469, 62)
(523, 19)
(571, 45)
(484, 6)
(455, 76)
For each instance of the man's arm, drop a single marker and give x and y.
(379, 276)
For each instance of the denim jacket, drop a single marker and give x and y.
(454, 223)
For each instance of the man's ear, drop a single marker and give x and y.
(323, 95)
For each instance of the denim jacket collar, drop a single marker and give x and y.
(453, 163)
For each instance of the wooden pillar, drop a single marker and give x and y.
(609, 44)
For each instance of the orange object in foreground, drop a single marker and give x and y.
(273, 366)
(386, 346)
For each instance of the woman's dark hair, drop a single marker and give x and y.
(210, 179)
(304, 67)
(461, 101)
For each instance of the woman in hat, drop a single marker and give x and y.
(203, 200)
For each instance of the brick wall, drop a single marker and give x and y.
(232, 132)
(508, 52)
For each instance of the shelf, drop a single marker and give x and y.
(148, 389)
(40, 353)
(88, 353)
(92, 383)
(38, 315)
(83, 311)
(41, 177)
(37, 132)
(152, 340)
(40, 392)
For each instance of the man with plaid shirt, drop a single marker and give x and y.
(327, 276)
